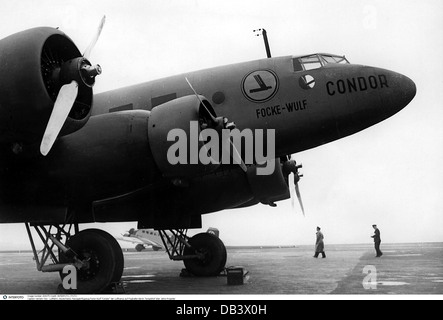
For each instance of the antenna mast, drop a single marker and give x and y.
(265, 39)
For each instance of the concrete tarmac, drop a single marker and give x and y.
(404, 269)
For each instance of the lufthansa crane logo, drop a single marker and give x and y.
(260, 86)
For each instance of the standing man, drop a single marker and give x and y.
(377, 241)
(319, 244)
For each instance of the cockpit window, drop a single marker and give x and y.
(315, 61)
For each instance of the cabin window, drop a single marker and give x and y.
(316, 61)
(312, 62)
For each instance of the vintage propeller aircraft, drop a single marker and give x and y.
(150, 238)
(143, 238)
(70, 157)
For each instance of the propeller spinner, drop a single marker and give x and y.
(72, 74)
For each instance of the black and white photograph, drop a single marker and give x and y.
(223, 150)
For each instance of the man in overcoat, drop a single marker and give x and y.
(319, 244)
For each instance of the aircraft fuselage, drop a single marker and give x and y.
(341, 99)
(111, 161)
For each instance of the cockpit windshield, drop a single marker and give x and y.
(317, 60)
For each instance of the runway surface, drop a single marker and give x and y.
(404, 269)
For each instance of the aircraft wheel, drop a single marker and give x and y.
(139, 247)
(213, 255)
(119, 259)
(104, 258)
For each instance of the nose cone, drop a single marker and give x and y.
(400, 92)
(363, 96)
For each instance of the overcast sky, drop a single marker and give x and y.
(390, 174)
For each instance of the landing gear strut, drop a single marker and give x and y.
(94, 253)
(203, 255)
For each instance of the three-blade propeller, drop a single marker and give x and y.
(68, 94)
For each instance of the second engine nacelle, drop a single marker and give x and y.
(174, 129)
(268, 188)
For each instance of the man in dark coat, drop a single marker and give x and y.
(319, 244)
(377, 241)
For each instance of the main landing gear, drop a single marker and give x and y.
(95, 254)
(204, 255)
(97, 257)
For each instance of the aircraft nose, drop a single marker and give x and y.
(401, 92)
(362, 96)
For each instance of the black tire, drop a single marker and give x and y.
(119, 258)
(105, 259)
(214, 252)
(139, 247)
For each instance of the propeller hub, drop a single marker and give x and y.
(91, 71)
(289, 167)
(80, 70)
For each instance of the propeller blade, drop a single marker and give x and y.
(214, 120)
(291, 192)
(237, 158)
(297, 190)
(62, 106)
(94, 40)
(195, 92)
(235, 155)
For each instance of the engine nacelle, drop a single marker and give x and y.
(30, 62)
(183, 118)
(268, 188)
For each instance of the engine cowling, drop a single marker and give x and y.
(268, 188)
(183, 118)
(30, 64)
